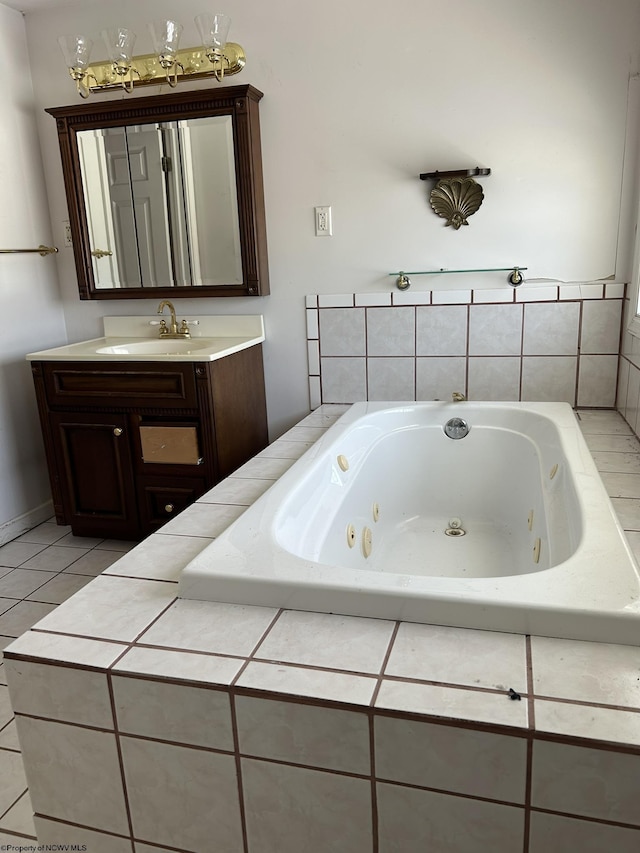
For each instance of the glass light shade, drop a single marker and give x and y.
(213, 29)
(165, 36)
(119, 43)
(76, 50)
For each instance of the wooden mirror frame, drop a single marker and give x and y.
(241, 103)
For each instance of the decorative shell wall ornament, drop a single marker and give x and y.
(455, 199)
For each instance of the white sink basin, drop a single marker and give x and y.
(158, 346)
(132, 339)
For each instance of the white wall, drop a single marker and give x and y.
(361, 97)
(31, 313)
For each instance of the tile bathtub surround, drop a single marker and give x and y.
(270, 731)
(533, 343)
(63, 563)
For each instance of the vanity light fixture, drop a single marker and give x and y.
(216, 57)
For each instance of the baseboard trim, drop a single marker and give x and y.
(15, 527)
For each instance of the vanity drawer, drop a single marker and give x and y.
(161, 499)
(120, 384)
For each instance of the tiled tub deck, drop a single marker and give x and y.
(151, 723)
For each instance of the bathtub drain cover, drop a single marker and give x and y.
(456, 428)
(454, 531)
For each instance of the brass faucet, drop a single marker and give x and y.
(458, 397)
(172, 330)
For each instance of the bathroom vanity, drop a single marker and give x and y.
(136, 428)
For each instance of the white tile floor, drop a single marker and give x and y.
(42, 568)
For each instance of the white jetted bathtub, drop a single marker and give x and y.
(502, 524)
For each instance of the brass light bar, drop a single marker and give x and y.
(191, 63)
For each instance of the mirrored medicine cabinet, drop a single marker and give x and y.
(165, 195)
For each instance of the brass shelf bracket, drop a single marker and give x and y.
(455, 173)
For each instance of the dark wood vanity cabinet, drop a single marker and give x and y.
(130, 444)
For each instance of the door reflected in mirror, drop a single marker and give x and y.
(161, 203)
(166, 193)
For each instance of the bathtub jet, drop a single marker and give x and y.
(543, 552)
(455, 528)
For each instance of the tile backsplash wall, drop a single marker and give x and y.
(548, 343)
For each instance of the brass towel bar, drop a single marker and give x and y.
(41, 250)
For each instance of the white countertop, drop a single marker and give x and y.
(129, 339)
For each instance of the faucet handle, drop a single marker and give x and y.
(163, 328)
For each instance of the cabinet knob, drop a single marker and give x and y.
(117, 431)
(168, 507)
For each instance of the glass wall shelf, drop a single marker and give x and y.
(515, 278)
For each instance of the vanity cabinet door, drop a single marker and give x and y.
(95, 467)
